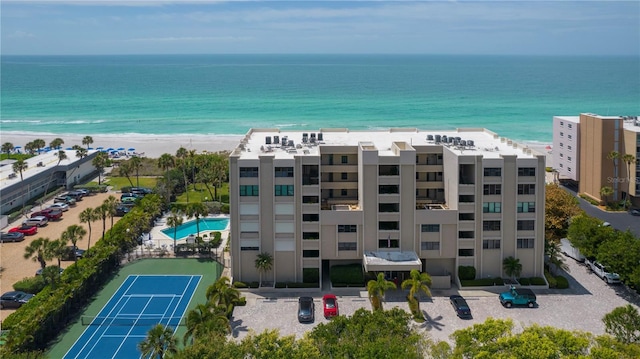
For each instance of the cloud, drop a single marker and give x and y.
(20, 35)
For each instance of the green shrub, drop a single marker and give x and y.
(31, 285)
(548, 169)
(254, 284)
(537, 281)
(281, 284)
(589, 199)
(349, 274)
(551, 279)
(562, 282)
(482, 282)
(240, 285)
(310, 275)
(523, 281)
(224, 209)
(241, 302)
(466, 272)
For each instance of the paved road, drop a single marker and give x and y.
(581, 307)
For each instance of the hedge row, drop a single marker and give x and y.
(482, 282)
(348, 274)
(296, 285)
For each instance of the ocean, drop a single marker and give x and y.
(515, 96)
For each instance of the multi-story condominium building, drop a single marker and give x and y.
(391, 200)
(43, 173)
(583, 148)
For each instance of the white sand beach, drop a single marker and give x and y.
(152, 146)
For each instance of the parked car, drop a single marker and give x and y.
(602, 272)
(635, 212)
(14, 299)
(24, 229)
(330, 305)
(65, 199)
(61, 206)
(85, 192)
(306, 310)
(12, 237)
(72, 253)
(77, 195)
(122, 209)
(52, 214)
(39, 221)
(460, 306)
(140, 190)
(128, 200)
(518, 296)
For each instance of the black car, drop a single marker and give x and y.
(460, 306)
(121, 210)
(77, 195)
(306, 310)
(12, 237)
(14, 299)
(72, 253)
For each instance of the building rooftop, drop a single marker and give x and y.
(386, 261)
(631, 123)
(462, 141)
(573, 119)
(35, 165)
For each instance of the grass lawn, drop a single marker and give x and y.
(201, 194)
(119, 182)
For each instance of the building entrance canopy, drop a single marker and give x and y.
(391, 261)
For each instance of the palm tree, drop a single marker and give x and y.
(56, 143)
(81, 152)
(20, 166)
(73, 233)
(181, 156)
(628, 159)
(166, 162)
(605, 192)
(174, 221)
(197, 210)
(30, 148)
(7, 147)
(87, 140)
(125, 169)
(264, 263)
(111, 203)
(39, 250)
(556, 260)
(418, 282)
(204, 319)
(222, 294)
(88, 216)
(220, 169)
(38, 144)
(512, 266)
(160, 341)
(136, 164)
(100, 162)
(57, 249)
(376, 289)
(102, 212)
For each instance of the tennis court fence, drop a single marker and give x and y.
(133, 321)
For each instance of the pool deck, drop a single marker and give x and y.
(160, 240)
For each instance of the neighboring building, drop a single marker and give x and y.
(582, 148)
(390, 200)
(43, 173)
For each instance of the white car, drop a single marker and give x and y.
(602, 272)
(61, 206)
(39, 221)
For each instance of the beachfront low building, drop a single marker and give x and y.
(43, 173)
(392, 201)
(582, 154)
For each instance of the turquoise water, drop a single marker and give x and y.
(206, 224)
(516, 96)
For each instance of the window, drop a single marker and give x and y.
(569, 136)
(310, 217)
(466, 198)
(562, 155)
(493, 172)
(343, 192)
(525, 242)
(310, 253)
(388, 226)
(388, 207)
(527, 188)
(561, 134)
(526, 207)
(492, 189)
(249, 248)
(465, 252)
(434, 176)
(310, 235)
(568, 168)
(284, 190)
(347, 246)
(466, 216)
(344, 159)
(284, 172)
(347, 228)
(491, 225)
(569, 158)
(430, 228)
(492, 207)
(465, 234)
(388, 189)
(526, 225)
(343, 175)
(569, 125)
(561, 165)
(561, 144)
(388, 243)
(569, 147)
(248, 171)
(526, 171)
(491, 244)
(561, 123)
(310, 175)
(310, 199)
(249, 190)
(430, 246)
(388, 170)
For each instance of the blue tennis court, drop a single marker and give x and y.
(140, 303)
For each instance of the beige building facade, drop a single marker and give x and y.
(391, 201)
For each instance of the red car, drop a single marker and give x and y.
(52, 214)
(330, 305)
(26, 230)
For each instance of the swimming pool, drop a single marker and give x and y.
(206, 224)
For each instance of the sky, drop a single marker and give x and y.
(320, 27)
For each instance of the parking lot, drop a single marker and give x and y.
(581, 307)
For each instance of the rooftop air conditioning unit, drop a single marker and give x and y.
(320, 138)
(276, 139)
(267, 140)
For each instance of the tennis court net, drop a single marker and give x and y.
(132, 321)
